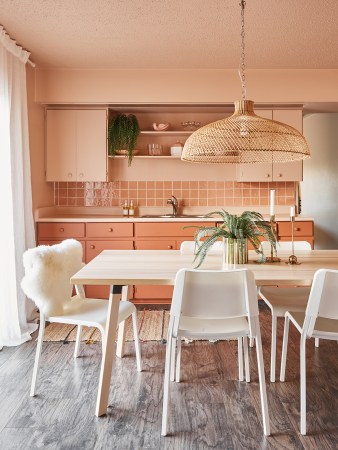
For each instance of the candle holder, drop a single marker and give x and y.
(272, 258)
(292, 258)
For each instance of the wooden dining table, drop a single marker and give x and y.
(118, 268)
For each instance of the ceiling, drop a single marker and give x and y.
(185, 34)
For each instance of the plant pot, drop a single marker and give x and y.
(235, 251)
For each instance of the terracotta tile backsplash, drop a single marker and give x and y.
(189, 193)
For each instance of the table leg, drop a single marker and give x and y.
(108, 352)
(121, 337)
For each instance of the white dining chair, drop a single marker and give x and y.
(320, 320)
(217, 248)
(282, 299)
(48, 270)
(216, 304)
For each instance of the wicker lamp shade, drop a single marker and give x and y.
(245, 137)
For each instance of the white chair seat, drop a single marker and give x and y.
(91, 312)
(323, 326)
(213, 328)
(285, 299)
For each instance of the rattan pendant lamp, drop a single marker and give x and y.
(245, 137)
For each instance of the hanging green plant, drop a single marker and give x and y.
(123, 131)
(249, 225)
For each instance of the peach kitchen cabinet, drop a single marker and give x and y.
(94, 238)
(76, 145)
(290, 171)
(302, 231)
(161, 236)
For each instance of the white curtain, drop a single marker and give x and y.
(16, 222)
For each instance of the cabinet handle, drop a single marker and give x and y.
(110, 230)
(81, 175)
(92, 247)
(267, 175)
(62, 230)
(280, 175)
(297, 229)
(170, 247)
(69, 175)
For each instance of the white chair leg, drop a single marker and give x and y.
(37, 354)
(78, 341)
(240, 359)
(273, 348)
(178, 359)
(252, 342)
(303, 384)
(137, 342)
(246, 360)
(284, 349)
(316, 342)
(168, 360)
(262, 386)
(173, 356)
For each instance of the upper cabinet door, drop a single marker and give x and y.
(256, 172)
(290, 171)
(76, 145)
(91, 126)
(61, 145)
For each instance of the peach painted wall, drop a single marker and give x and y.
(42, 192)
(181, 86)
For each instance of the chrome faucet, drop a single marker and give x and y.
(174, 202)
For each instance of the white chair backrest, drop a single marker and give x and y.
(286, 245)
(214, 294)
(48, 270)
(323, 299)
(189, 248)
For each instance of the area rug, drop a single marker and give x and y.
(153, 326)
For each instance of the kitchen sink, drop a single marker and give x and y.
(171, 216)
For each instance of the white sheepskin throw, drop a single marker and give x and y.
(48, 270)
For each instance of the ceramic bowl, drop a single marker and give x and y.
(161, 126)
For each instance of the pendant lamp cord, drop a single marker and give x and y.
(241, 70)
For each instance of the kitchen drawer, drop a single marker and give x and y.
(154, 229)
(153, 292)
(52, 242)
(61, 230)
(156, 245)
(109, 230)
(299, 228)
(93, 248)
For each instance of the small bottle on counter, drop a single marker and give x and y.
(125, 208)
(131, 208)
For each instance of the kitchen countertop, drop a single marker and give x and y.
(89, 214)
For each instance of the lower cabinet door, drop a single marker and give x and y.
(93, 248)
(162, 294)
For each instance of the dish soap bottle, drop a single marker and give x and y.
(125, 208)
(131, 208)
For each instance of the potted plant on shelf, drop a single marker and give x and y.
(236, 231)
(123, 131)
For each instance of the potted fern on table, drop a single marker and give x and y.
(123, 131)
(236, 231)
